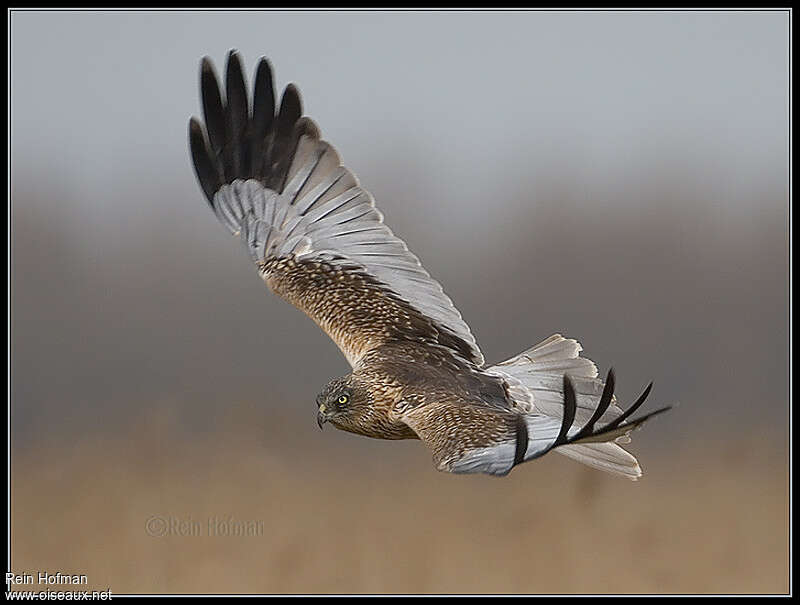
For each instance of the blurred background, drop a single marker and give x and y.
(620, 178)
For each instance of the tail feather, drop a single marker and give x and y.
(535, 378)
(608, 457)
(540, 370)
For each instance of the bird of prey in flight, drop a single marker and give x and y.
(319, 242)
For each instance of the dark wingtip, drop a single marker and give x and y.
(208, 176)
(264, 61)
(291, 108)
(264, 73)
(234, 61)
(293, 90)
(570, 406)
(195, 130)
(264, 94)
(521, 446)
(208, 75)
(638, 422)
(629, 412)
(285, 140)
(207, 66)
(263, 115)
(238, 118)
(213, 109)
(602, 406)
(242, 135)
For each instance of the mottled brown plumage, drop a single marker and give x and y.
(356, 311)
(417, 372)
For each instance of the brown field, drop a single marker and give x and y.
(358, 516)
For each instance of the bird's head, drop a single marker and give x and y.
(342, 402)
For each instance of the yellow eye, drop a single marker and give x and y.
(343, 399)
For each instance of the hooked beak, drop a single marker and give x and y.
(321, 417)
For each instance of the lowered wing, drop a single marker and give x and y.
(470, 437)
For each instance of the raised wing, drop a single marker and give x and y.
(314, 233)
(474, 438)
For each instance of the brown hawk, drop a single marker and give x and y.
(417, 373)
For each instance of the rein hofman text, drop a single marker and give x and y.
(44, 577)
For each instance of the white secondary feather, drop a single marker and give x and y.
(324, 214)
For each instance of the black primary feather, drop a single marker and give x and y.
(588, 431)
(238, 117)
(636, 405)
(281, 154)
(233, 143)
(570, 407)
(206, 169)
(263, 115)
(522, 441)
(213, 111)
(605, 402)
